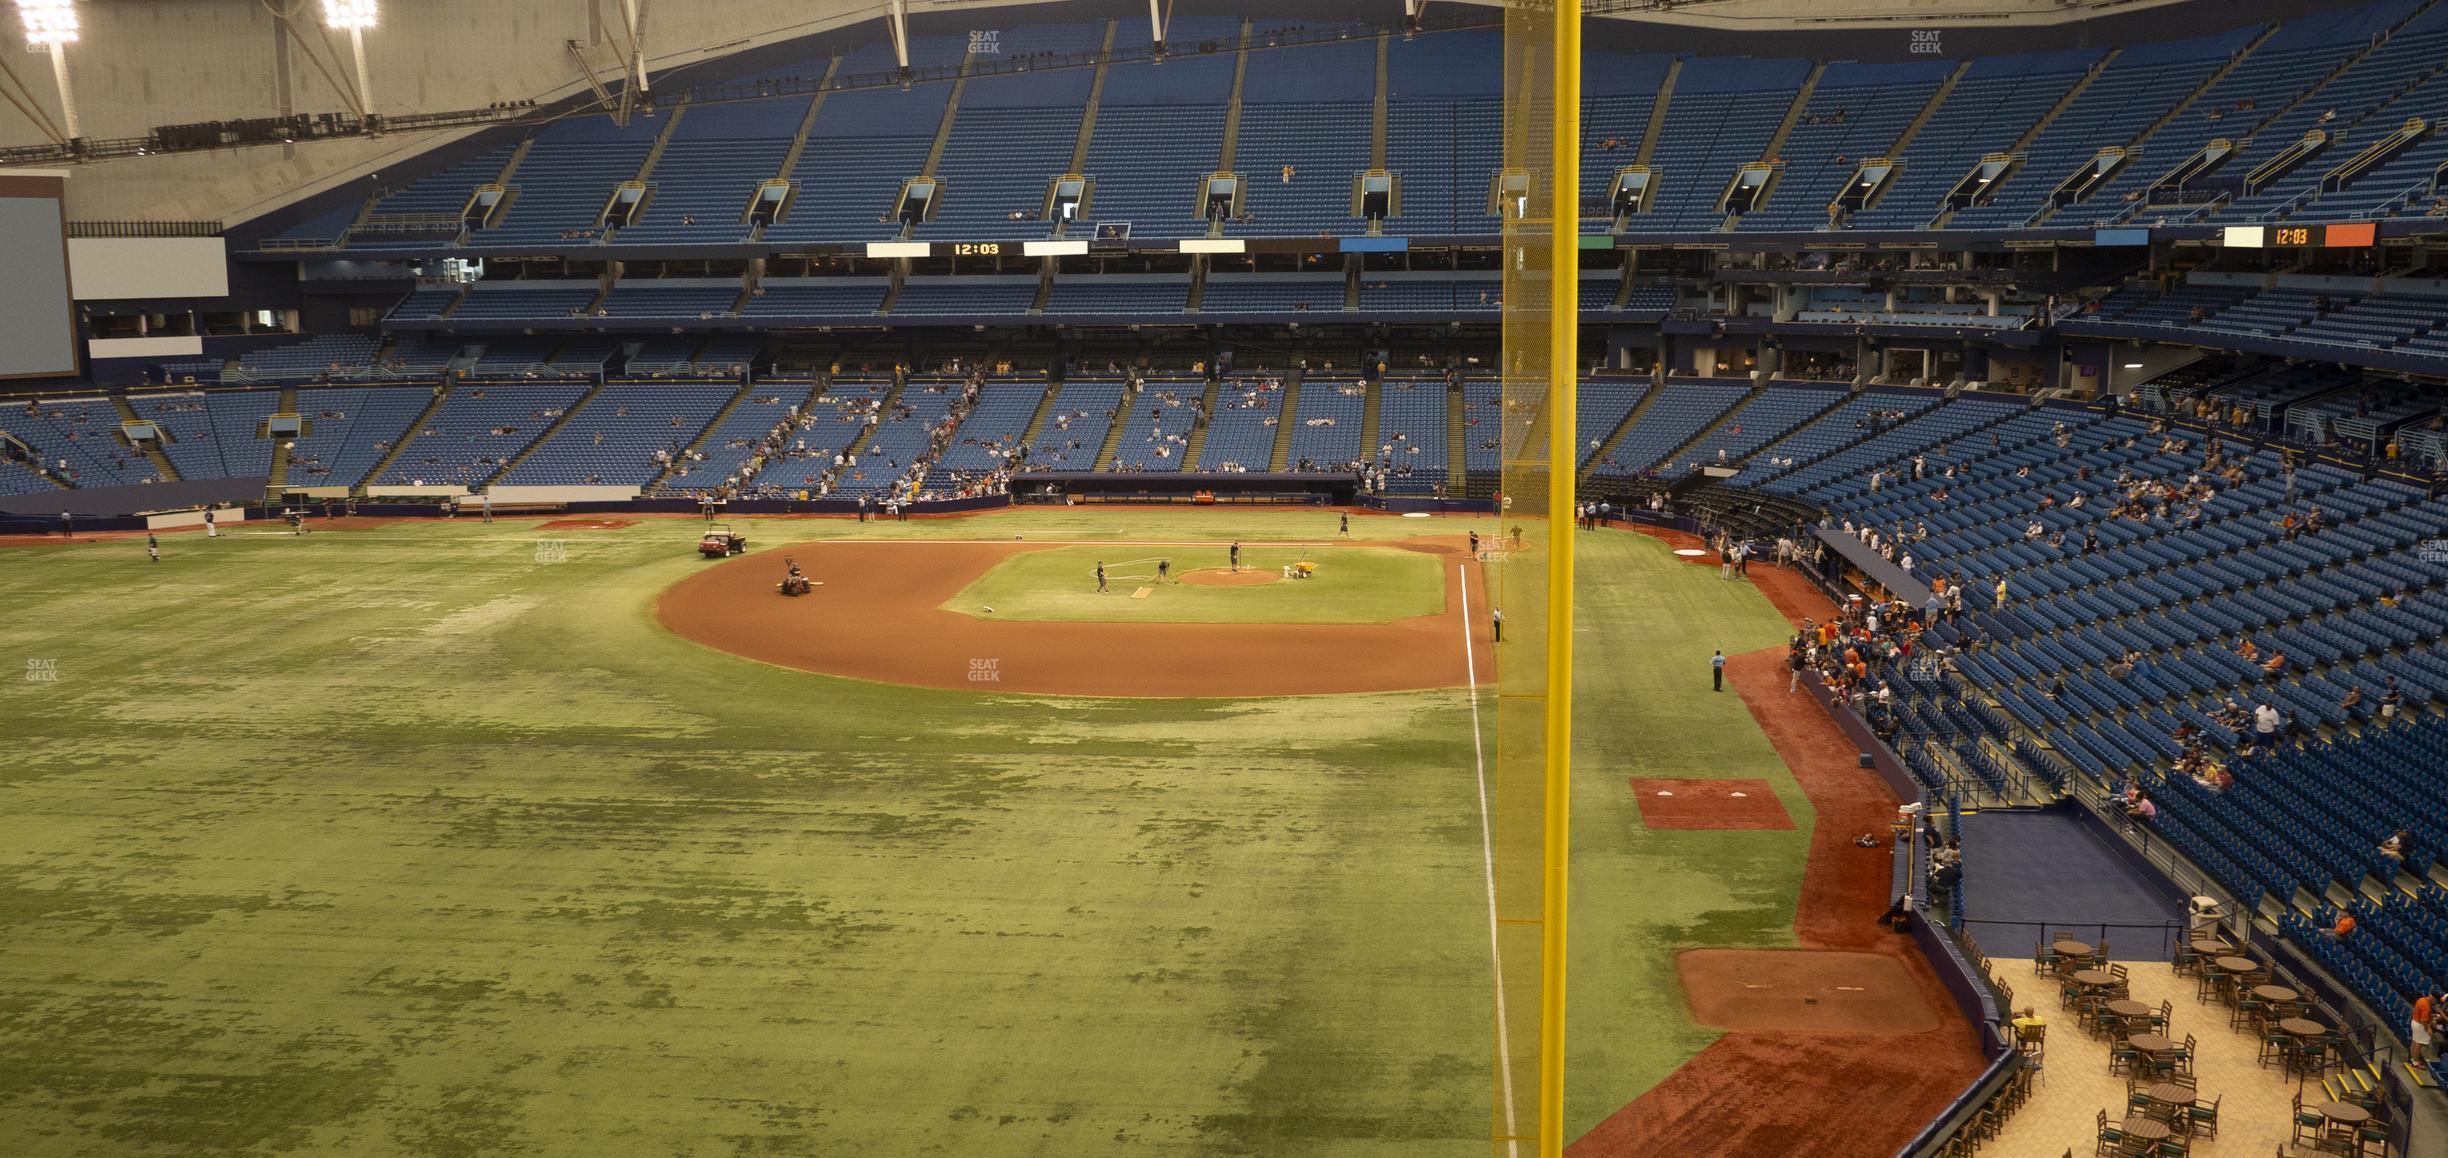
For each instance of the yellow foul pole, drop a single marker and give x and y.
(1564, 457)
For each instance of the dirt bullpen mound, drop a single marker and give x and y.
(875, 616)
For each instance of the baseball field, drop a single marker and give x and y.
(452, 838)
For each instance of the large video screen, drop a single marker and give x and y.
(37, 318)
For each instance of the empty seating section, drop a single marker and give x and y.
(717, 156)
(426, 303)
(1305, 129)
(476, 432)
(1159, 133)
(1130, 294)
(1304, 136)
(721, 356)
(809, 297)
(526, 300)
(672, 298)
(849, 178)
(567, 178)
(333, 356)
(1857, 112)
(1011, 136)
(1444, 130)
(1721, 116)
(1771, 415)
(322, 230)
(1617, 95)
(1848, 423)
(1651, 300)
(2135, 90)
(1326, 429)
(214, 435)
(2295, 58)
(1388, 293)
(414, 356)
(965, 295)
(1156, 432)
(1998, 99)
(1075, 428)
(515, 358)
(585, 354)
(1889, 436)
(1413, 431)
(1241, 432)
(1602, 406)
(2373, 322)
(2409, 324)
(79, 442)
(1256, 294)
(444, 193)
(2400, 78)
(614, 439)
(888, 450)
(16, 478)
(348, 431)
(1683, 410)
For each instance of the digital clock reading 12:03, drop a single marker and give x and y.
(2290, 235)
(977, 249)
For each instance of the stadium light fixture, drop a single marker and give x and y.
(353, 15)
(48, 22)
(356, 16)
(51, 25)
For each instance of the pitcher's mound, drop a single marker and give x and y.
(1220, 577)
(1803, 991)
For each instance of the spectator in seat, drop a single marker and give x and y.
(2344, 926)
(2394, 847)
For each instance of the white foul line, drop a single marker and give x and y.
(1487, 854)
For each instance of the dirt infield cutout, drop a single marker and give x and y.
(1222, 577)
(586, 524)
(1803, 991)
(1709, 804)
(880, 619)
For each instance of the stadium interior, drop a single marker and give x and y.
(2126, 324)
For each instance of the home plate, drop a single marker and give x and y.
(1143, 593)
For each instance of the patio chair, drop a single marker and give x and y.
(2204, 1119)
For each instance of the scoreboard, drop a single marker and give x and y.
(2362, 235)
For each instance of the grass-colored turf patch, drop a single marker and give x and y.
(1352, 584)
(416, 841)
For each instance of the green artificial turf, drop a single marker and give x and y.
(429, 840)
(1352, 584)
